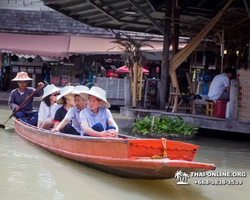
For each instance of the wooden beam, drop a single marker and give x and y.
(46, 2)
(151, 19)
(189, 48)
(247, 5)
(151, 6)
(72, 4)
(201, 3)
(103, 10)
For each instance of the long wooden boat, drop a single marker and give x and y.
(123, 156)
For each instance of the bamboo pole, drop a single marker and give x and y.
(195, 68)
(134, 101)
(153, 123)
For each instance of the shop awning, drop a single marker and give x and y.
(42, 45)
(92, 45)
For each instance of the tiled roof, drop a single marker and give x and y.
(53, 22)
(46, 22)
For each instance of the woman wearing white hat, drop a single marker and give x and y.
(80, 98)
(66, 99)
(18, 96)
(45, 114)
(96, 119)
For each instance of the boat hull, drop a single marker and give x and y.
(125, 157)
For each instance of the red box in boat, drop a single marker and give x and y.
(220, 107)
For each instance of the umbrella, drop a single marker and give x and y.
(125, 69)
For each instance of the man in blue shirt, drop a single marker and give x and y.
(96, 120)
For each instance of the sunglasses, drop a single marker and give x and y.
(55, 94)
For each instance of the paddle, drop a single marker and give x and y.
(28, 97)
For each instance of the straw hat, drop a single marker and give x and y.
(22, 76)
(65, 91)
(82, 91)
(49, 89)
(100, 94)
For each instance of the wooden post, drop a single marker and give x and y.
(248, 59)
(233, 105)
(176, 26)
(127, 91)
(135, 81)
(165, 56)
(195, 68)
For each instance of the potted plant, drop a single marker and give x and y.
(167, 127)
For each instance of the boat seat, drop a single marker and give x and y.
(210, 107)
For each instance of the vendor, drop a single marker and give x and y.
(220, 87)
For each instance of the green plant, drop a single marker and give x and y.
(164, 125)
(142, 126)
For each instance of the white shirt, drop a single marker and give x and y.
(218, 86)
(45, 112)
(73, 114)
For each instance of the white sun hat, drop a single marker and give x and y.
(100, 94)
(49, 89)
(22, 76)
(65, 91)
(82, 91)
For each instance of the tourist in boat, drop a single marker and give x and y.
(220, 86)
(26, 113)
(46, 114)
(80, 97)
(96, 119)
(66, 99)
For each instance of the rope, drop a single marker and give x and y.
(164, 144)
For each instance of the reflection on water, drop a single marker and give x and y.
(29, 172)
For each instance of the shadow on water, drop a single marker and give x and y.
(208, 133)
(128, 188)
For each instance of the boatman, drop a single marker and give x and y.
(73, 113)
(26, 113)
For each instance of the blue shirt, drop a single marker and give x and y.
(73, 114)
(101, 117)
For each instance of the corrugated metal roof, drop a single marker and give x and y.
(149, 15)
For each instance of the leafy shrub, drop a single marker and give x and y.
(164, 125)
